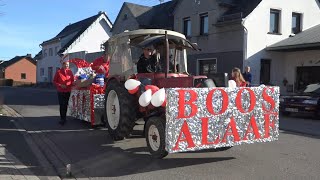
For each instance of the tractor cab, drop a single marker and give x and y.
(169, 50)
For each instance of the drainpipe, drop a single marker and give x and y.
(245, 37)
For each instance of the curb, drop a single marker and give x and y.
(312, 135)
(48, 168)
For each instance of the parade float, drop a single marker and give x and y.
(182, 112)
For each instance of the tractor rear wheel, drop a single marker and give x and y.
(119, 112)
(155, 137)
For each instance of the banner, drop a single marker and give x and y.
(205, 118)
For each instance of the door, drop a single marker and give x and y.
(265, 71)
(50, 74)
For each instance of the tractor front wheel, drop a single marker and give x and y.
(155, 137)
(119, 114)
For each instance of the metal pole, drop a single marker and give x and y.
(167, 54)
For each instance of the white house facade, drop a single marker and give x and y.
(271, 22)
(79, 38)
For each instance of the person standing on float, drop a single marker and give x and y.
(63, 80)
(101, 65)
(238, 78)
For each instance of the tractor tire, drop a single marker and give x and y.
(155, 137)
(119, 112)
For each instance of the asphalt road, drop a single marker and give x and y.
(92, 153)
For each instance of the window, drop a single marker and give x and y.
(187, 27)
(45, 53)
(274, 21)
(296, 23)
(23, 76)
(41, 71)
(207, 66)
(50, 52)
(125, 17)
(56, 50)
(204, 24)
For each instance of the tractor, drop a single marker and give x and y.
(121, 108)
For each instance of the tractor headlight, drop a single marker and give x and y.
(313, 102)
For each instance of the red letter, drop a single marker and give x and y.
(182, 103)
(205, 133)
(187, 135)
(232, 125)
(225, 102)
(253, 128)
(239, 100)
(267, 123)
(269, 99)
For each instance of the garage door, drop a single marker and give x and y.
(307, 75)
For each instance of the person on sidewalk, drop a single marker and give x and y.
(63, 80)
(247, 76)
(238, 78)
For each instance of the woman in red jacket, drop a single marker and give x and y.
(238, 78)
(63, 81)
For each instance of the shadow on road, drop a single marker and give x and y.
(92, 153)
(291, 132)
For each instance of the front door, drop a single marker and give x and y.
(50, 74)
(265, 71)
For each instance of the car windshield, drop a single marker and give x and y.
(313, 89)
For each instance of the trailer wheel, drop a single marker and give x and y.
(119, 114)
(155, 137)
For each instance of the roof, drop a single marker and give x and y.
(73, 31)
(307, 39)
(8, 63)
(155, 17)
(237, 9)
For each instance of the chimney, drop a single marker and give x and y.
(29, 55)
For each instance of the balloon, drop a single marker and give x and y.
(159, 98)
(152, 88)
(145, 98)
(232, 84)
(133, 91)
(131, 84)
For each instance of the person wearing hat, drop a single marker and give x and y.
(63, 80)
(147, 62)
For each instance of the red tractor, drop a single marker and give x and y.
(122, 109)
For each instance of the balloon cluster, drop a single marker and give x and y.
(152, 94)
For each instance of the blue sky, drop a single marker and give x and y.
(24, 24)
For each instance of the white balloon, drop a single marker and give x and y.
(232, 84)
(131, 84)
(145, 98)
(158, 98)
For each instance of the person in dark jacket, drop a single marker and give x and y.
(63, 80)
(148, 62)
(247, 76)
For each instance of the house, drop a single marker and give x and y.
(134, 16)
(19, 69)
(237, 33)
(85, 36)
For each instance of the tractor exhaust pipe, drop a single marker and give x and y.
(167, 55)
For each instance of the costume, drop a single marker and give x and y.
(248, 77)
(148, 65)
(100, 66)
(63, 77)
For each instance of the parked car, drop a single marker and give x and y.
(306, 102)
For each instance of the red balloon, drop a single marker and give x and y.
(152, 88)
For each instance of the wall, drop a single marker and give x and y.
(48, 61)
(23, 66)
(257, 24)
(92, 39)
(220, 41)
(128, 24)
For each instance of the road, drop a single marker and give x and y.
(92, 154)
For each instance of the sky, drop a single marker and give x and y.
(25, 24)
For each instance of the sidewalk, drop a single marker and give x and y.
(19, 156)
